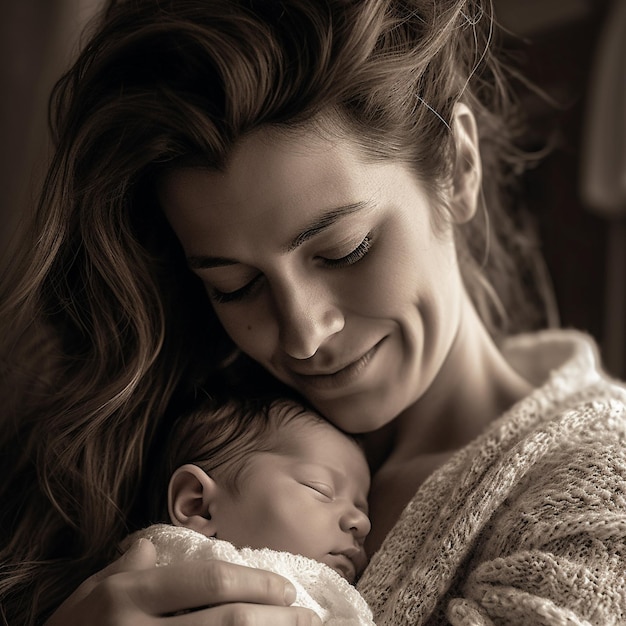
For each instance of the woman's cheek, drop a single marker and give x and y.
(250, 328)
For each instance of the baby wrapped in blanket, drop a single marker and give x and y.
(270, 484)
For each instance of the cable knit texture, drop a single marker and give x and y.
(318, 586)
(527, 524)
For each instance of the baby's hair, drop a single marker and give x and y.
(219, 436)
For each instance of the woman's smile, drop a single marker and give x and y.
(337, 378)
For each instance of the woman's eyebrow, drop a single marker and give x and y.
(321, 223)
(324, 221)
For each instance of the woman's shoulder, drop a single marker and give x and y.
(572, 356)
(555, 542)
(567, 451)
(569, 382)
(574, 419)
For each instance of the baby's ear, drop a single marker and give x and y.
(467, 178)
(190, 494)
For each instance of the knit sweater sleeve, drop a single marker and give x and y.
(555, 552)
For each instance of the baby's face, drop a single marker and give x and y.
(311, 501)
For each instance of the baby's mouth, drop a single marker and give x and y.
(344, 566)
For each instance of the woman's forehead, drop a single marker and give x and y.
(289, 182)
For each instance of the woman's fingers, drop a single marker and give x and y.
(197, 584)
(133, 591)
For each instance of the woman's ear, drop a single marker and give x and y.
(467, 179)
(190, 494)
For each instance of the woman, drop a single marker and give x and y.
(312, 187)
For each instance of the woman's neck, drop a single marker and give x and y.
(474, 386)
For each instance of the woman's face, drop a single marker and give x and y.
(324, 267)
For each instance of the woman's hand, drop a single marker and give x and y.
(132, 591)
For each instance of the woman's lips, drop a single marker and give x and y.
(340, 377)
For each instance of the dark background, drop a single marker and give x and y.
(556, 42)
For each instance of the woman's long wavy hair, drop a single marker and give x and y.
(106, 333)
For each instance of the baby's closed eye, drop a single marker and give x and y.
(321, 488)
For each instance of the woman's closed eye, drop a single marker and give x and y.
(354, 256)
(222, 297)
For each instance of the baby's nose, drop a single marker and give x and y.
(356, 522)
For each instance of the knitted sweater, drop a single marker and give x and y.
(526, 525)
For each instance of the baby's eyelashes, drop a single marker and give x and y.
(322, 488)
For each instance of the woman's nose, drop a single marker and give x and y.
(307, 318)
(357, 522)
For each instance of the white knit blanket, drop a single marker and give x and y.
(527, 524)
(318, 586)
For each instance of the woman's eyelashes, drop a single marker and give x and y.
(354, 256)
(248, 290)
(223, 297)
